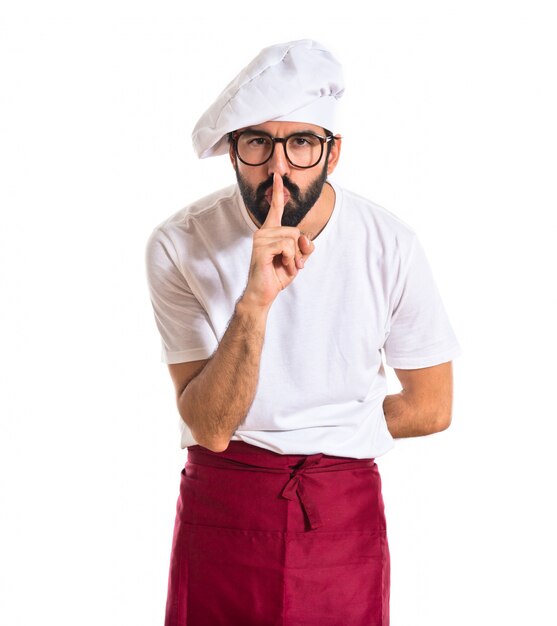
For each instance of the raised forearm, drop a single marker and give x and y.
(406, 416)
(218, 399)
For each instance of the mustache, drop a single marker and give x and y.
(293, 189)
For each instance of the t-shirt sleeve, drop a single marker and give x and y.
(420, 333)
(183, 323)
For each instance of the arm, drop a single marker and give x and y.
(424, 406)
(214, 396)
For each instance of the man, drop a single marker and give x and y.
(274, 298)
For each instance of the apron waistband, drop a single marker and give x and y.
(242, 456)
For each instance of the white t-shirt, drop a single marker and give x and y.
(367, 287)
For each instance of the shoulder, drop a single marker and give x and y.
(211, 206)
(360, 214)
(210, 212)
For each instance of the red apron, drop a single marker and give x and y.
(267, 539)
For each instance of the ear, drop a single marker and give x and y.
(334, 155)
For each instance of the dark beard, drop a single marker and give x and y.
(298, 205)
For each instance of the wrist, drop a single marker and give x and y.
(251, 311)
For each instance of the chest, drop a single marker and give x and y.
(339, 298)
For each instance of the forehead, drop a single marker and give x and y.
(281, 129)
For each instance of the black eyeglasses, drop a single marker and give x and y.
(303, 150)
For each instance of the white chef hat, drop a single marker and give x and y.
(297, 81)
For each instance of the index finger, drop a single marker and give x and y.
(274, 216)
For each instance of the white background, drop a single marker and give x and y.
(449, 122)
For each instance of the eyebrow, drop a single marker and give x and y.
(259, 130)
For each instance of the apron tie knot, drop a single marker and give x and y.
(294, 488)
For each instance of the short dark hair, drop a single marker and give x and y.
(328, 133)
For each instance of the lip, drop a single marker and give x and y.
(269, 195)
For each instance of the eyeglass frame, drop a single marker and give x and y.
(234, 136)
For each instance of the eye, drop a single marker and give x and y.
(258, 141)
(303, 141)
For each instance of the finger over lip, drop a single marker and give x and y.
(269, 195)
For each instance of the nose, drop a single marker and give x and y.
(278, 163)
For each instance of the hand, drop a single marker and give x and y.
(278, 253)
